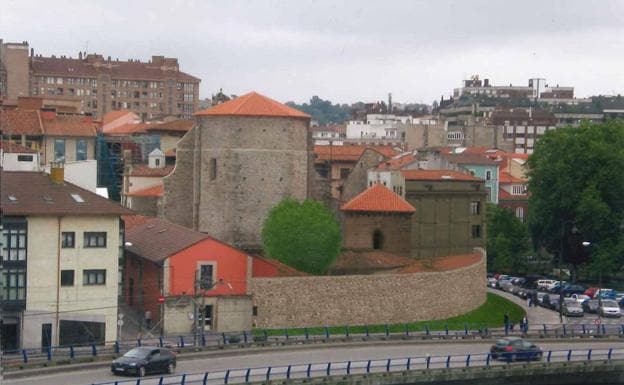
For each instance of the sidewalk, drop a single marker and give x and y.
(535, 315)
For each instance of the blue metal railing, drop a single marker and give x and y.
(216, 340)
(346, 368)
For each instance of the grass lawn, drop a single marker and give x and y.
(489, 314)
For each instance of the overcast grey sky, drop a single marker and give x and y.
(345, 51)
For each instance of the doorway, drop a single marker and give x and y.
(46, 336)
(377, 240)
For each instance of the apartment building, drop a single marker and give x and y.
(59, 252)
(152, 89)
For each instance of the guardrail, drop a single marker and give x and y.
(268, 337)
(347, 368)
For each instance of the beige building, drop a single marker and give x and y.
(60, 253)
(151, 89)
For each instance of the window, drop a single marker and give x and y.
(377, 240)
(94, 239)
(81, 149)
(206, 276)
(488, 175)
(59, 150)
(475, 208)
(213, 168)
(67, 278)
(476, 231)
(24, 158)
(344, 173)
(157, 162)
(520, 213)
(13, 242)
(518, 189)
(14, 284)
(94, 277)
(68, 239)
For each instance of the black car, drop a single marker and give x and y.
(591, 306)
(515, 349)
(143, 360)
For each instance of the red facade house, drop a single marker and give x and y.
(170, 269)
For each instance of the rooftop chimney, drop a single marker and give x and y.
(57, 172)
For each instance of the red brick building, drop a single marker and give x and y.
(165, 263)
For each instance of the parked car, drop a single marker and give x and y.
(580, 298)
(540, 299)
(551, 301)
(515, 349)
(609, 308)
(591, 291)
(491, 282)
(571, 308)
(542, 284)
(144, 360)
(591, 306)
(570, 288)
(605, 294)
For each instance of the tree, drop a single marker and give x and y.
(304, 235)
(323, 111)
(577, 189)
(507, 240)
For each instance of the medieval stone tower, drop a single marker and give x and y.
(240, 160)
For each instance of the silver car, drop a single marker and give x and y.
(610, 308)
(571, 308)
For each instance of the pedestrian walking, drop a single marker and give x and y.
(506, 322)
(529, 301)
(525, 324)
(148, 319)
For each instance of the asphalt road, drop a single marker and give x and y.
(301, 356)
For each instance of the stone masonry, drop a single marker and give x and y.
(368, 299)
(231, 170)
(395, 229)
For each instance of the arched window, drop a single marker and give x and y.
(377, 240)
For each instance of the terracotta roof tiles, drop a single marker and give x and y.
(154, 191)
(14, 148)
(253, 104)
(180, 125)
(378, 198)
(146, 171)
(20, 122)
(349, 153)
(67, 125)
(438, 175)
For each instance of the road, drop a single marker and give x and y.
(302, 356)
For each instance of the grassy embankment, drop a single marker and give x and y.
(490, 314)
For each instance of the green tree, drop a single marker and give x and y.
(324, 111)
(507, 240)
(304, 235)
(577, 189)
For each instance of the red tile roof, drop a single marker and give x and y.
(283, 270)
(349, 153)
(439, 175)
(134, 220)
(471, 159)
(127, 129)
(154, 191)
(253, 104)
(146, 171)
(67, 125)
(36, 194)
(14, 148)
(18, 122)
(378, 199)
(116, 69)
(171, 153)
(180, 125)
(505, 177)
(397, 162)
(116, 114)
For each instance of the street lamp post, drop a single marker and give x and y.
(563, 232)
(587, 244)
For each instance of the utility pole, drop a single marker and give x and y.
(195, 308)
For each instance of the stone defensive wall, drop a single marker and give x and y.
(383, 298)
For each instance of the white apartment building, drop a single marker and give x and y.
(60, 250)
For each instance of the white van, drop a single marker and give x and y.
(544, 284)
